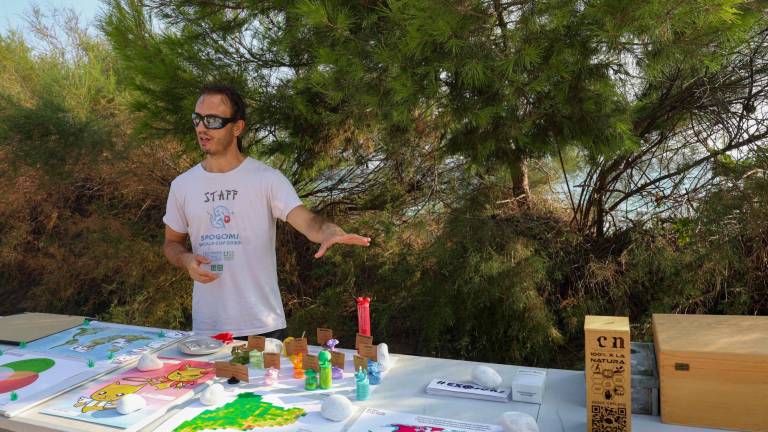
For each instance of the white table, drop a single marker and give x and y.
(563, 408)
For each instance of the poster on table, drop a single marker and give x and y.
(106, 342)
(375, 420)
(97, 401)
(29, 378)
(243, 410)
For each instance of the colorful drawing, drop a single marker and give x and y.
(183, 375)
(374, 420)
(21, 373)
(161, 389)
(246, 412)
(105, 397)
(28, 378)
(104, 341)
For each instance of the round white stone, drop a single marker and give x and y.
(382, 354)
(272, 345)
(336, 408)
(130, 403)
(148, 362)
(213, 395)
(515, 421)
(486, 377)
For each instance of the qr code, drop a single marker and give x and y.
(607, 419)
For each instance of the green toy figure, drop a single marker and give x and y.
(310, 379)
(324, 359)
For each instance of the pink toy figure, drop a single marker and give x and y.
(270, 376)
(364, 315)
(298, 368)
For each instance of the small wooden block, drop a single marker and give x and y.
(271, 360)
(256, 343)
(368, 351)
(337, 359)
(360, 363)
(361, 339)
(310, 362)
(299, 345)
(324, 335)
(227, 370)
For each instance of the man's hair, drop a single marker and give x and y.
(235, 101)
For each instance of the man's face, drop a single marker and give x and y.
(216, 141)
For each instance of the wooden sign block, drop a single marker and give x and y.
(324, 335)
(368, 351)
(608, 375)
(227, 370)
(363, 339)
(360, 363)
(310, 362)
(256, 343)
(271, 360)
(299, 345)
(337, 359)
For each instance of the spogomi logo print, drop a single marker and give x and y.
(220, 217)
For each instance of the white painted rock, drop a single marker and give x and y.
(336, 408)
(382, 354)
(486, 377)
(272, 345)
(213, 395)
(515, 421)
(149, 362)
(130, 403)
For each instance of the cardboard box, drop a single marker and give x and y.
(608, 373)
(528, 385)
(713, 370)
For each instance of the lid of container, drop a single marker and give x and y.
(711, 334)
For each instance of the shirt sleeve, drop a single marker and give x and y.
(282, 196)
(174, 212)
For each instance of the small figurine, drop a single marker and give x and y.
(331, 344)
(14, 396)
(310, 379)
(374, 372)
(91, 363)
(161, 334)
(362, 388)
(270, 376)
(239, 355)
(326, 379)
(298, 368)
(256, 358)
(337, 373)
(233, 380)
(22, 344)
(364, 315)
(86, 322)
(111, 355)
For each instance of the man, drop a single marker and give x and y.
(227, 205)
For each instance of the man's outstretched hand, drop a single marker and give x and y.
(342, 238)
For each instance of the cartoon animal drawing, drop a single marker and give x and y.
(185, 374)
(105, 397)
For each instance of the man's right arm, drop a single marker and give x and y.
(175, 249)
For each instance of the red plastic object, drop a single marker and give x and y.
(364, 315)
(225, 337)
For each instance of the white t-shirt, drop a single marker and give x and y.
(230, 218)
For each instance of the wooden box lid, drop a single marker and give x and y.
(711, 335)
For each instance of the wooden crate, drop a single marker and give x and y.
(713, 370)
(608, 373)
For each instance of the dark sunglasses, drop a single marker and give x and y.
(211, 121)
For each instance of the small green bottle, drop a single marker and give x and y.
(326, 379)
